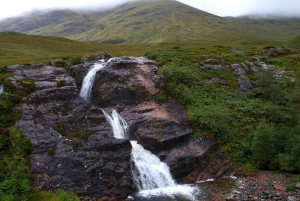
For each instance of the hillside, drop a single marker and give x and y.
(24, 49)
(146, 21)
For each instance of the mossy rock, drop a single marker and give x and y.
(132, 89)
(51, 151)
(61, 83)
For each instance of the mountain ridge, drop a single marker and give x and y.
(152, 22)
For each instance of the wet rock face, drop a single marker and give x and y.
(134, 88)
(126, 81)
(74, 148)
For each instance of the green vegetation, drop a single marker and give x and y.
(293, 182)
(15, 174)
(74, 60)
(257, 129)
(61, 83)
(66, 196)
(59, 63)
(58, 195)
(132, 89)
(16, 48)
(156, 22)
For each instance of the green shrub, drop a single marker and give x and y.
(160, 96)
(66, 196)
(16, 177)
(59, 63)
(76, 60)
(263, 144)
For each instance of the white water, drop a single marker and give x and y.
(88, 81)
(152, 177)
(1, 89)
(151, 172)
(118, 124)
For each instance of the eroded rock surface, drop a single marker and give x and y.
(74, 147)
(134, 88)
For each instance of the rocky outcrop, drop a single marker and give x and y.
(134, 87)
(275, 52)
(74, 148)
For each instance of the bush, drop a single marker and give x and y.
(263, 144)
(66, 196)
(59, 63)
(15, 178)
(76, 60)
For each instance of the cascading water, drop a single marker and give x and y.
(1, 89)
(118, 124)
(152, 176)
(88, 81)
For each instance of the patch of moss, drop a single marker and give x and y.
(122, 79)
(157, 124)
(103, 72)
(79, 133)
(62, 110)
(60, 83)
(51, 151)
(132, 89)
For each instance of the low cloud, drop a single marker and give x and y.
(14, 8)
(287, 8)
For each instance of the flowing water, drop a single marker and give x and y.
(152, 177)
(118, 124)
(1, 89)
(88, 81)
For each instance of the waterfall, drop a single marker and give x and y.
(152, 177)
(151, 172)
(118, 124)
(88, 81)
(1, 89)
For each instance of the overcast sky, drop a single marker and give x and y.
(291, 8)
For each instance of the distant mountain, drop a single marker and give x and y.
(153, 21)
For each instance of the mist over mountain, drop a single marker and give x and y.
(151, 22)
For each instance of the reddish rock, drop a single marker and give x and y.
(218, 197)
(279, 187)
(106, 198)
(263, 177)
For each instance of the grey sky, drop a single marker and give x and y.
(218, 7)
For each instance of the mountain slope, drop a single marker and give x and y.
(154, 21)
